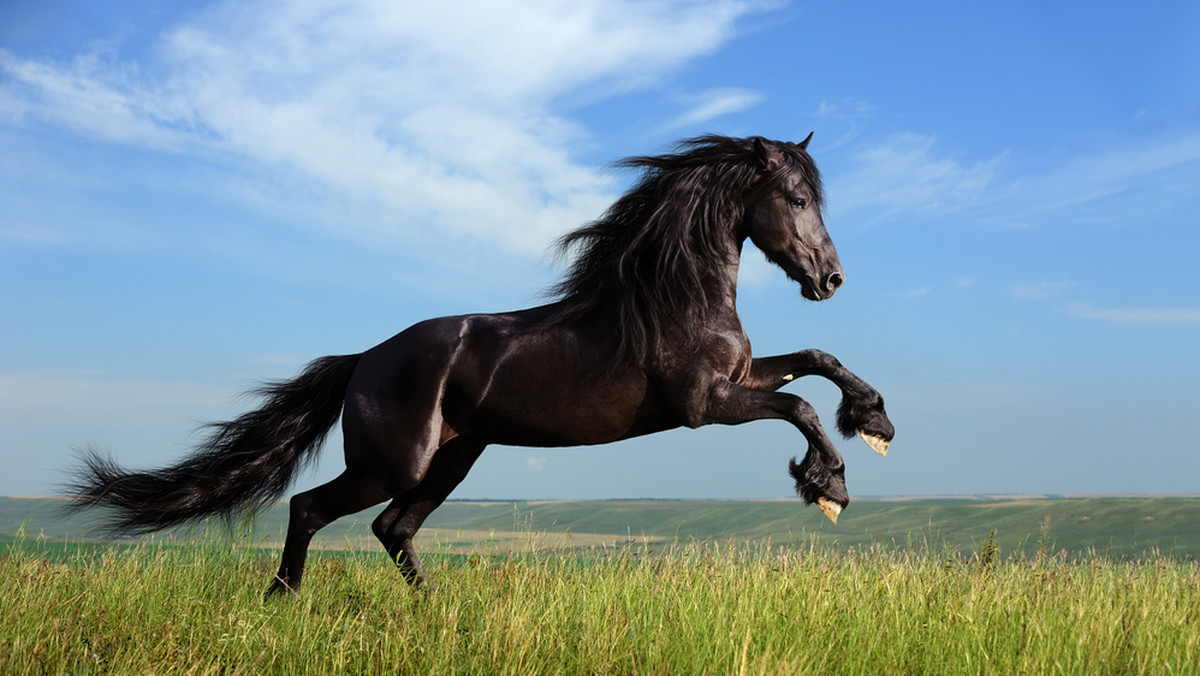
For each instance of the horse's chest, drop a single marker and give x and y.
(740, 369)
(728, 353)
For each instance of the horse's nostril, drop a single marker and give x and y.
(833, 281)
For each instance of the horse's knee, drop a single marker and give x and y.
(805, 415)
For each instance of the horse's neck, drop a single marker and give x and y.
(720, 285)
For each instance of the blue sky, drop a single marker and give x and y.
(197, 196)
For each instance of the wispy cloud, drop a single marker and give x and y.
(908, 174)
(30, 234)
(917, 292)
(1089, 188)
(1038, 290)
(716, 103)
(1147, 315)
(1092, 178)
(438, 114)
(845, 109)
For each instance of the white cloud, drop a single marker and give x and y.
(1111, 173)
(716, 103)
(1090, 188)
(90, 95)
(907, 175)
(755, 270)
(442, 114)
(1148, 315)
(535, 464)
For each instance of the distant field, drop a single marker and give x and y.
(1104, 526)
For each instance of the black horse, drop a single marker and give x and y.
(643, 336)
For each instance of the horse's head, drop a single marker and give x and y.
(783, 218)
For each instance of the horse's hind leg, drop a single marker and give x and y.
(314, 509)
(397, 525)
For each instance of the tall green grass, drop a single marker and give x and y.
(689, 609)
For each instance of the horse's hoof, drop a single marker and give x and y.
(877, 444)
(280, 589)
(831, 508)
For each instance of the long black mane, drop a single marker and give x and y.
(641, 268)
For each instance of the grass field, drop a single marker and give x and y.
(715, 608)
(520, 592)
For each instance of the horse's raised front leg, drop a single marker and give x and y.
(821, 476)
(861, 410)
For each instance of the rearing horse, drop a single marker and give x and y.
(644, 336)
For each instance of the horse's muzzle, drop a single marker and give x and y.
(823, 290)
(832, 281)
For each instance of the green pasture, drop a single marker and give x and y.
(687, 608)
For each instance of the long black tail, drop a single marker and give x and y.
(242, 465)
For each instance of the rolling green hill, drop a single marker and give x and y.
(1107, 526)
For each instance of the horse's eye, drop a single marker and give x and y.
(799, 203)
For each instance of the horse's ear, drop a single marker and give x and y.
(804, 143)
(769, 159)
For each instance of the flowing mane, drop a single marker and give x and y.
(641, 267)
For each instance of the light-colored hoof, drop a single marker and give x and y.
(877, 444)
(831, 508)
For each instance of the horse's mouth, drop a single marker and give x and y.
(810, 290)
(814, 290)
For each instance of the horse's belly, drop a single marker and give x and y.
(541, 409)
(550, 397)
